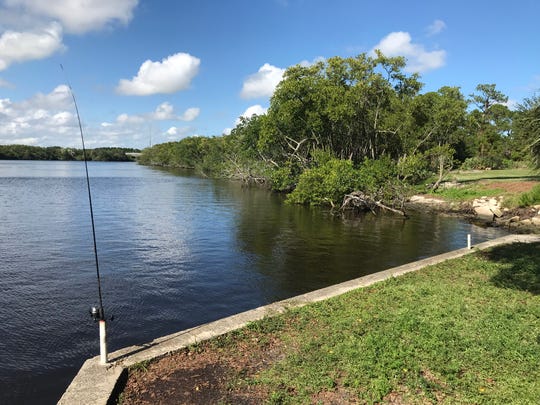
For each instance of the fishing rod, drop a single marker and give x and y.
(97, 313)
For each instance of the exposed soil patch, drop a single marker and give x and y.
(206, 374)
(509, 186)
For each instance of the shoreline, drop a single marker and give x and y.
(483, 211)
(96, 384)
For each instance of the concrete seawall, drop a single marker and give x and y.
(95, 383)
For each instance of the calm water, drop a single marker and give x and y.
(175, 251)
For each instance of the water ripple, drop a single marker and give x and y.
(175, 251)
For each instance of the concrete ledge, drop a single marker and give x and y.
(95, 384)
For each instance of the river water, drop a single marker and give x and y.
(175, 251)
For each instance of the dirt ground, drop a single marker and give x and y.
(206, 374)
(510, 186)
(209, 374)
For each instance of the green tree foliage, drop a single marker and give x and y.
(526, 130)
(26, 152)
(437, 118)
(434, 133)
(353, 107)
(205, 155)
(359, 124)
(107, 154)
(325, 184)
(241, 155)
(328, 182)
(489, 125)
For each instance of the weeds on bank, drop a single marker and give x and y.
(141, 367)
(530, 198)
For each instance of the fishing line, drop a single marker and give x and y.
(101, 314)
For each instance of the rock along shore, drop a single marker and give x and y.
(485, 210)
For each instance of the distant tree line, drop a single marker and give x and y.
(25, 152)
(362, 124)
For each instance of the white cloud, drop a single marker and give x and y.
(33, 29)
(436, 27)
(418, 59)
(163, 112)
(175, 133)
(263, 83)
(77, 16)
(60, 97)
(129, 119)
(256, 109)
(307, 63)
(190, 114)
(23, 46)
(172, 74)
(19, 141)
(50, 119)
(172, 131)
(44, 114)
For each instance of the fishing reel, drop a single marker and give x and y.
(96, 314)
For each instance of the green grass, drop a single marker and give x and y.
(472, 185)
(466, 192)
(142, 366)
(464, 331)
(506, 174)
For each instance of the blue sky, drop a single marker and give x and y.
(155, 71)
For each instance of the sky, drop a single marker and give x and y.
(151, 71)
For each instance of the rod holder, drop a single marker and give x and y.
(103, 342)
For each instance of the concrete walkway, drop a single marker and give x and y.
(95, 384)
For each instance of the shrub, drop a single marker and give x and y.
(375, 174)
(285, 177)
(530, 198)
(487, 162)
(326, 184)
(413, 168)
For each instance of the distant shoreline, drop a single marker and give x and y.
(58, 153)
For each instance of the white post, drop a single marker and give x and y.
(102, 342)
(468, 241)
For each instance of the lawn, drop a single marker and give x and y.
(509, 184)
(506, 174)
(464, 331)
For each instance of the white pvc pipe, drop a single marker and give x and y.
(102, 342)
(469, 241)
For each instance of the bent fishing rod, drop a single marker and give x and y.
(97, 313)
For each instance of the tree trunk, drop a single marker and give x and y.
(364, 202)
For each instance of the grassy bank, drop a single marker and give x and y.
(464, 331)
(502, 175)
(518, 187)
